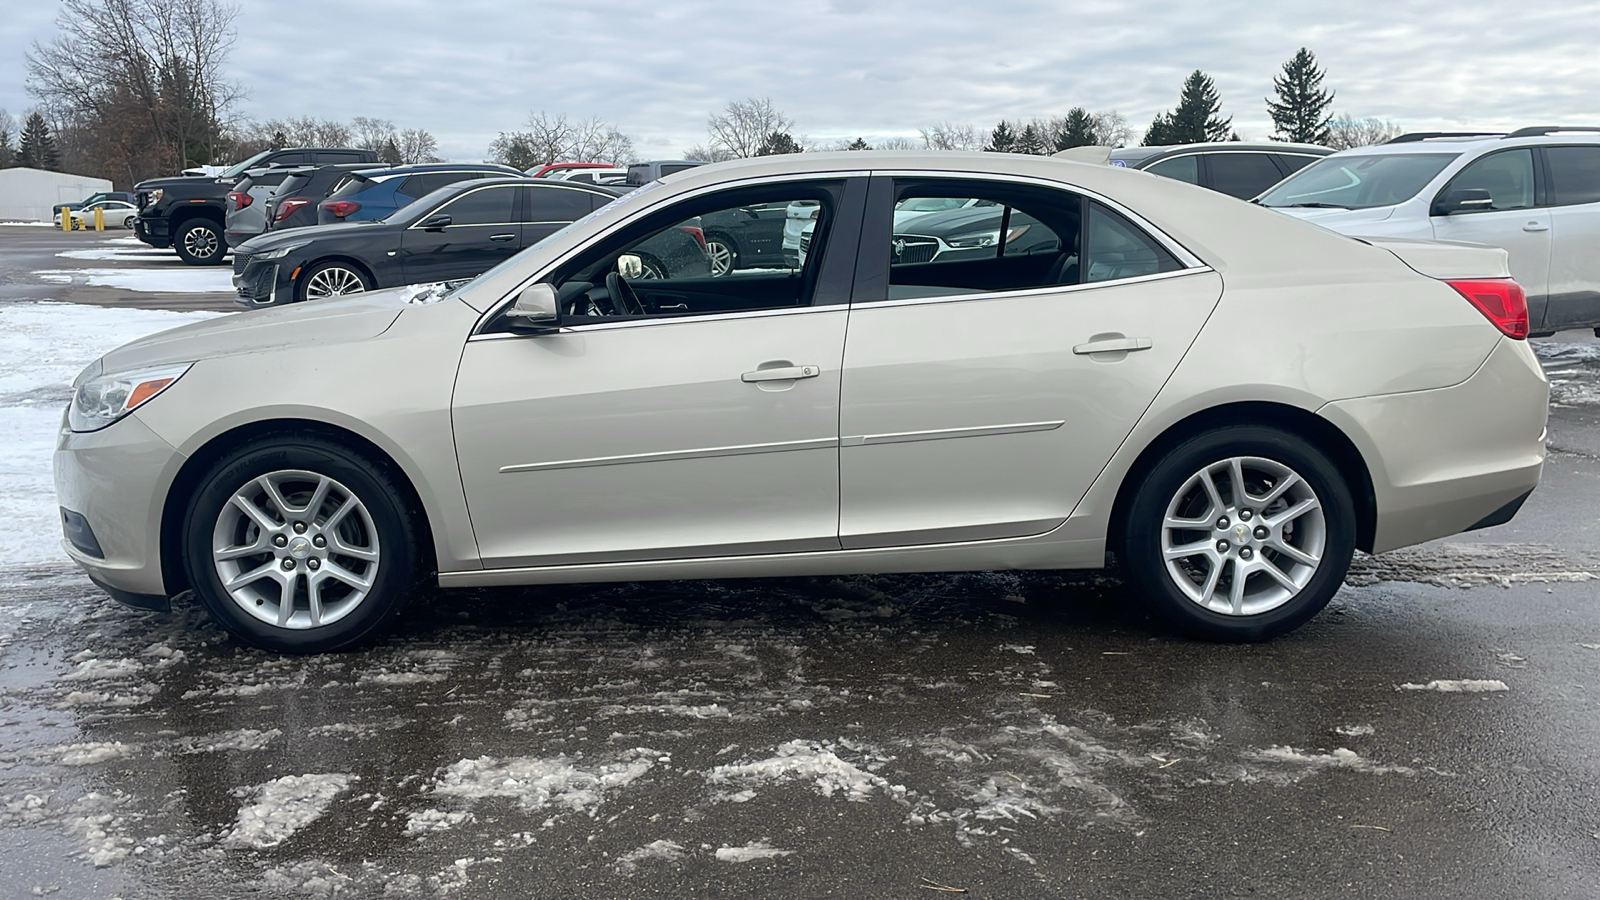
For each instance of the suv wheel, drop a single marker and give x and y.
(200, 243)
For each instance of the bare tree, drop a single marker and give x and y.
(899, 143)
(417, 146)
(707, 154)
(372, 134)
(555, 138)
(8, 127)
(597, 141)
(1111, 129)
(743, 127)
(951, 136)
(1345, 132)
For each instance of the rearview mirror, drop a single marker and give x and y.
(535, 309)
(434, 223)
(630, 266)
(1464, 200)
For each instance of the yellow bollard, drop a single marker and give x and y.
(66, 218)
(99, 219)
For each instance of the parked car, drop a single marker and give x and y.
(366, 196)
(646, 172)
(557, 419)
(246, 214)
(189, 213)
(559, 169)
(293, 204)
(455, 232)
(125, 196)
(971, 231)
(591, 176)
(116, 214)
(749, 237)
(1534, 192)
(1235, 168)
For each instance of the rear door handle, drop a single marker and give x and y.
(1114, 345)
(1536, 226)
(502, 237)
(787, 373)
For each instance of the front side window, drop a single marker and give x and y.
(1574, 175)
(1358, 181)
(1507, 176)
(490, 206)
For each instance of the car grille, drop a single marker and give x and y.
(259, 288)
(240, 261)
(142, 199)
(912, 249)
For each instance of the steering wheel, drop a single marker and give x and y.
(624, 302)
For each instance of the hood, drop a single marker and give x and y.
(154, 183)
(1337, 219)
(951, 221)
(272, 240)
(341, 320)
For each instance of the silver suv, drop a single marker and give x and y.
(1534, 192)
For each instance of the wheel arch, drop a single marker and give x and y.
(187, 481)
(185, 214)
(1341, 450)
(352, 261)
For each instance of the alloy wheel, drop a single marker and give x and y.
(333, 281)
(201, 243)
(721, 257)
(295, 549)
(1243, 536)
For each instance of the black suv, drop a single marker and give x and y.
(1234, 168)
(188, 213)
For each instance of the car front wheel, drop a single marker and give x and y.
(723, 255)
(1240, 534)
(200, 243)
(300, 545)
(333, 279)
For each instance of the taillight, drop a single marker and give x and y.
(696, 233)
(1501, 300)
(240, 199)
(341, 208)
(287, 206)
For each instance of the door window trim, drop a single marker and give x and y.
(515, 201)
(1031, 292)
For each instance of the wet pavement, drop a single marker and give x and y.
(1432, 734)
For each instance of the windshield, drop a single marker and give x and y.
(234, 170)
(1358, 182)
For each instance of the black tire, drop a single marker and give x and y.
(316, 274)
(200, 242)
(389, 517)
(1146, 568)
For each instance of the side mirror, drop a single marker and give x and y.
(535, 310)
(1463, 200)
(434, 222)
(630, 266)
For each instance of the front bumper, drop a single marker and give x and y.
(116, 480)
(261, 282)
(153, 231)
(1449, 460)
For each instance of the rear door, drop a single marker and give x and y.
(549, 208)
(982, 396)
(1573, 180)
(483, 230)
(1514, 221)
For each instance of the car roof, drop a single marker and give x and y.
(1140, 154)
(1460, 142)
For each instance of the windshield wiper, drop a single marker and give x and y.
(1314, 206)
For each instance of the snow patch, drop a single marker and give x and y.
(751, 852)
(432, 821)
(663, 850)
(815, 762)
(283, 806)
(536, 783)
(1460, 686)
(150, 281)
(92, 753)
(1355, 730)
(1340, 758)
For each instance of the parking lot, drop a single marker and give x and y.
(1432, 733)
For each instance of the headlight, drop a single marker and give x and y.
(975, 239)
(155, 196)
(281, 252)
(100, 399)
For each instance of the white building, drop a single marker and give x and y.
(32, 195)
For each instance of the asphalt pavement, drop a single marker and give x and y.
(1028, 735)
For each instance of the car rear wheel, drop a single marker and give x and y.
(724, 255)
(1240, 534)
(200, 243)
(300, 545)
(332, 279)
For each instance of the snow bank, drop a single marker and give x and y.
(284, 806)
(152, 281)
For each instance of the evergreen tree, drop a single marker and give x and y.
(859, 144)
(1003, 140)
(390, 153)
(1077, 130)
(1301, 111)
(1031, 142)
(1197, 119)
(37, 149)
(6, 150)
(778, 142)
(1159, 134)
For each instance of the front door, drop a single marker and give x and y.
(1514, 221)
(483, 231)
(989, 388)
(637, 431)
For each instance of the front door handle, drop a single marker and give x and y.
(502, 237)
(1112, 345)
(1536, 226)
(787, 373)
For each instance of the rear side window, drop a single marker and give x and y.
(1242, 175)
(670, 168)
(1507, 176)
(1293, 162)
(293, 184)
(964, 237)
(1116, 248)
(1180, 168)
(490, 206)
(554, 204)
(350, 184)
(336, 157)
(1574, 175)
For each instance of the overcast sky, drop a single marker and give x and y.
(468, 69)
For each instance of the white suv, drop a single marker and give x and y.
(1534, 192)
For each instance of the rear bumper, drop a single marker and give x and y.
(1449, 460)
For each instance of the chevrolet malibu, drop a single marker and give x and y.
(1229, 401)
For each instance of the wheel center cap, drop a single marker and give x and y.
(1241, 534)
(299, 547)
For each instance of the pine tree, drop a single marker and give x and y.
(1077, 130)
(1159, 134)
(1196, 120)
(37, 149)
(1301, 111)
(859, 144)
(6, 150)
(390, 153)
(777, 143)
(1002, 140)
(1031, 142)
